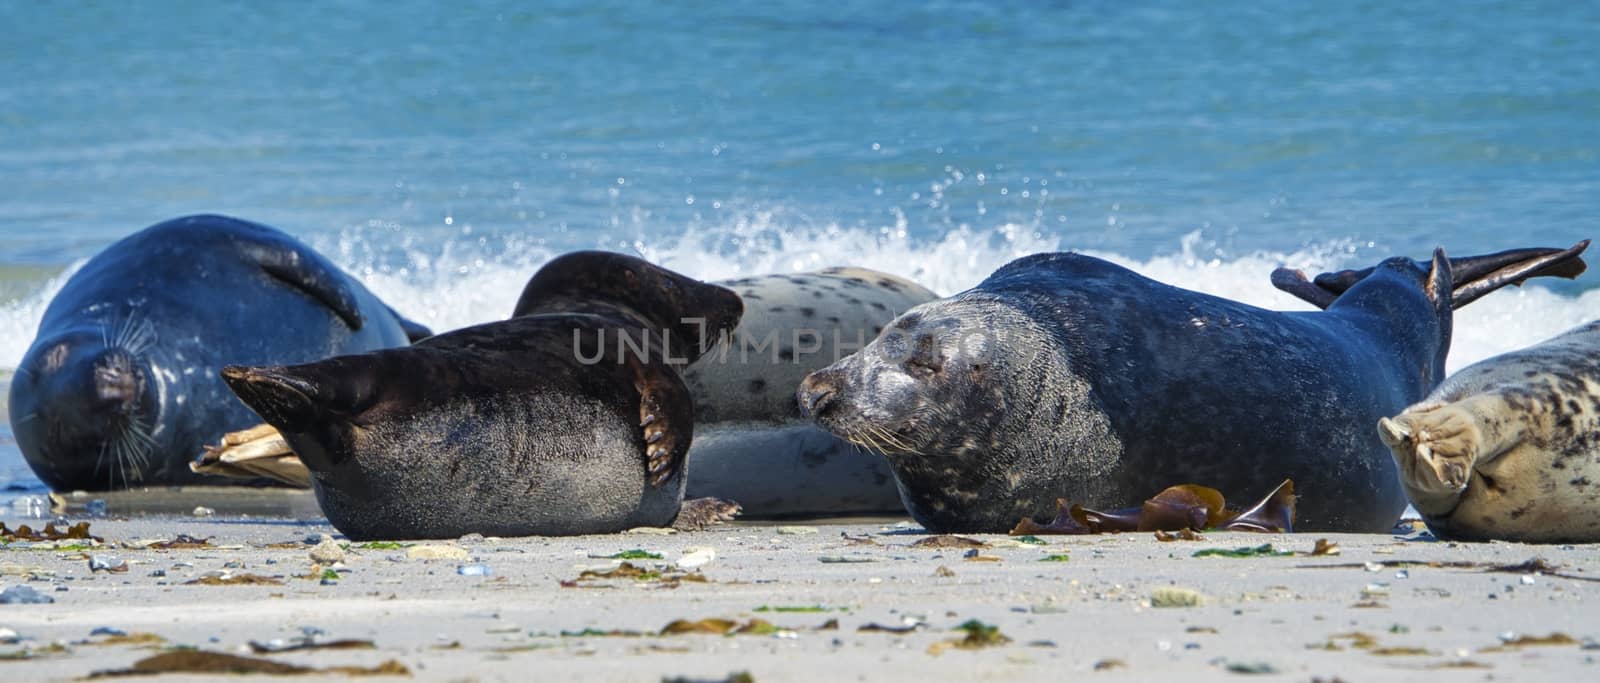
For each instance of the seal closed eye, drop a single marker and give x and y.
(551, 423)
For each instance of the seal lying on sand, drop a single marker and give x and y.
(751, 443)
(1509, 448)
(1064, 376)
(570, 419)
(120, 386)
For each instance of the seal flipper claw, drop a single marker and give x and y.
(698, 513)
(666, 420)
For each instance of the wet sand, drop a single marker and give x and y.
(1367, 614)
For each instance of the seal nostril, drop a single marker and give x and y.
(821, 403)
(814, 400)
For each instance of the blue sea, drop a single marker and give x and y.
(443, 153)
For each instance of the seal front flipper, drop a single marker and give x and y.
(666, 418)
(698, 513)
(301, 268)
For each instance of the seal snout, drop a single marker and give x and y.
(116, 383)
(817, 396)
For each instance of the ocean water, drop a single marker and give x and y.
(443, 153)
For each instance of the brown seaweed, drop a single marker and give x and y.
(1178, 508)
(79, 531)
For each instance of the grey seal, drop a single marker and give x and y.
(569, 419)
(120, 386)
(1508, 448)
(1065, 376)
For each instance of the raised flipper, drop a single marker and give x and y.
(1473, 276)
(1294, 282)
(698, 513)
(1491, 274)
(259, 451)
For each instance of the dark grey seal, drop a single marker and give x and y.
(120, 386)
(569, 419)
(1064, 376)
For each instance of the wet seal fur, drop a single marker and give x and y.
(570, 419)
(1509, 448)
(751, 442)
(1064, 376)
(120, 387)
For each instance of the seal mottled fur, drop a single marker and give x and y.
(569, 419)
(1509, 448)
(1064, 376)
(120, 386)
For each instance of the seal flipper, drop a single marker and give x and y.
(301, 268)
(698, 513)
(306, 398)
(1532, 263)
(1294, 282)
(1474, 276)
(666, 417)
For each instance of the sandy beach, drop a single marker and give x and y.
(864, 600)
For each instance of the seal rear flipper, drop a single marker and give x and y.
(1477, 276)
(1294, 282)
(300, 398)
(253, 453)
(297, 266)
(1474, 276)
(695, 314)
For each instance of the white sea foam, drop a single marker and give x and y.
(451, 285)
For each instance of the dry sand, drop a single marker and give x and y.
(1294, 618)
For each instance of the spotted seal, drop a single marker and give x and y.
(569, 419)
(751, 443)
(1509, 448)
(1065, 376)
(120, 386)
